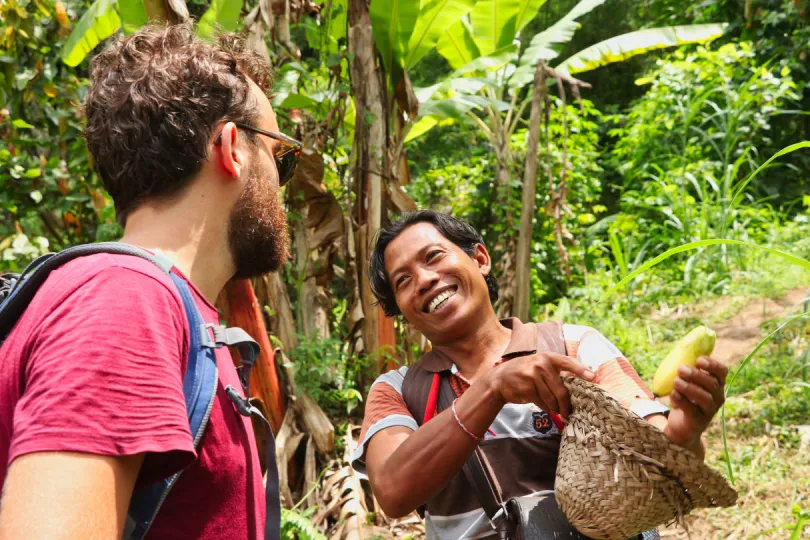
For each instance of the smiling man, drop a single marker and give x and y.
(435, 271)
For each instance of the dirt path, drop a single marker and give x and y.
(740, 334)
(737, 335)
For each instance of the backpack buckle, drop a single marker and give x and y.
(214, 339)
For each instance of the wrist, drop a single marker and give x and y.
(491, 389)
(692, 443)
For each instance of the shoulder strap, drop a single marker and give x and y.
(35, 274)
(420, 392)
(475, 471)
(199, 389)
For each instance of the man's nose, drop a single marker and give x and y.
(426, 279)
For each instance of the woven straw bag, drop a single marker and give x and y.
(618, 475)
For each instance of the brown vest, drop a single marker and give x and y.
(521, 465)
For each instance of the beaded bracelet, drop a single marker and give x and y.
(467, 431)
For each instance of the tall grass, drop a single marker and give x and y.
(736, 196)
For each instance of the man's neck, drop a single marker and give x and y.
(476, 351)
(194, 240)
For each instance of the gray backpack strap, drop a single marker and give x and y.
(249, 350)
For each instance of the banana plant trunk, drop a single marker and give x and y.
(371, 151)
(522, 301)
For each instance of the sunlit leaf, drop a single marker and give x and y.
(393, 22)
(628, 45)
(697, 245)
(133, 15)
(490, 63)
(496, 23)
(457, 45)
(434, 19)
(738, 191)
(422, 126)
(19, 123)
(336, 25)
(298, 101)
(540, 46)
(224, 13)
(99, 22)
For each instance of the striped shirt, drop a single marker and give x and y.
(523, 442)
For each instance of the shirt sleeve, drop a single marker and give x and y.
(385, 408)
(613, 372)
(104, 375)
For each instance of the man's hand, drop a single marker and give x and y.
(698, 395)
(537, 379)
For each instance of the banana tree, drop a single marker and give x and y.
(106, 17)
(487, 89)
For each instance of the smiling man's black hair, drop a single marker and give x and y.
(460, 233)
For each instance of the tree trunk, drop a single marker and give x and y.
(522, 302)
(240, 308)
(370, 164)
(166, 11)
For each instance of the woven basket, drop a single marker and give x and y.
(618, 475)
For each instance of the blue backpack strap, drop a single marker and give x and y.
(199, 391)
(19, 295)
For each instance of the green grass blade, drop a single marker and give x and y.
(742, 185)
(697, 245)
(731, 379)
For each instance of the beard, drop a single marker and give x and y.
(257, 229)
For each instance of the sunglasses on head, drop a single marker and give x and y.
(286, 156)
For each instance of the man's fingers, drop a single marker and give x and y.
(547, 400)
(696, 395)
(714, 367)
(569, 363)
(561, 394)
(680, 402)
(702, 378)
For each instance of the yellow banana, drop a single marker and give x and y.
(699, 342)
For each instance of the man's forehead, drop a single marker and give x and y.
(267, 117)
(411, 242)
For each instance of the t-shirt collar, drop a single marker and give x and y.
(522, 342)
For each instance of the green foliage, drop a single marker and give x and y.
(328, 373)
(49, 194)
(297, 526)
(223, 14)
(98, 23)
(686, 147)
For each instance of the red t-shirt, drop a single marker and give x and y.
(96, 364)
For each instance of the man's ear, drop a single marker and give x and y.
(481, 256)
(225, 151)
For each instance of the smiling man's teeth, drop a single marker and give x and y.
(439, 300)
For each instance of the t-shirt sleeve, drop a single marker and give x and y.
(104, 375)
(385, 408)
(613, 372)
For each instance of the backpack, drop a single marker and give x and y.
(199, 380)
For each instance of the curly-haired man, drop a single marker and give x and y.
(91, 399)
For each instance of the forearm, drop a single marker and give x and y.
(423, 464)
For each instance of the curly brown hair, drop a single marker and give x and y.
(154, 99)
